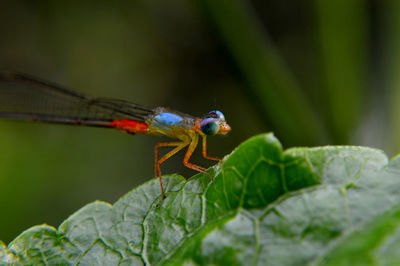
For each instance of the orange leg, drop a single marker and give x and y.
(205, 150)
(179, 146)
(189, 153)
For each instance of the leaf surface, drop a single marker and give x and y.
(265, 206)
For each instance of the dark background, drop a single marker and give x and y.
(313, 72)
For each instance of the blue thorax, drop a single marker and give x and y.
(165, 120)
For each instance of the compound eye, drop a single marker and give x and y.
(209, 128)
(216, 114)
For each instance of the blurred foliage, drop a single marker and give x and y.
(313, 72)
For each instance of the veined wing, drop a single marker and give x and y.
(28, 98)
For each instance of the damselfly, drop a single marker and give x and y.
(27, 98)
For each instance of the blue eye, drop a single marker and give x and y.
(216, 114)
(211, 128)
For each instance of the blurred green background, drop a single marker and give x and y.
(313, 72)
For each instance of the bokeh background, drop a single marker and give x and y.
(313, 72)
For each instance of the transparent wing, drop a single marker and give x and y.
(28, 98)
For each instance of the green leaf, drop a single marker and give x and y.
(264, 207)
(377, 242)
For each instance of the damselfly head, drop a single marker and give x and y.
(214, 123)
